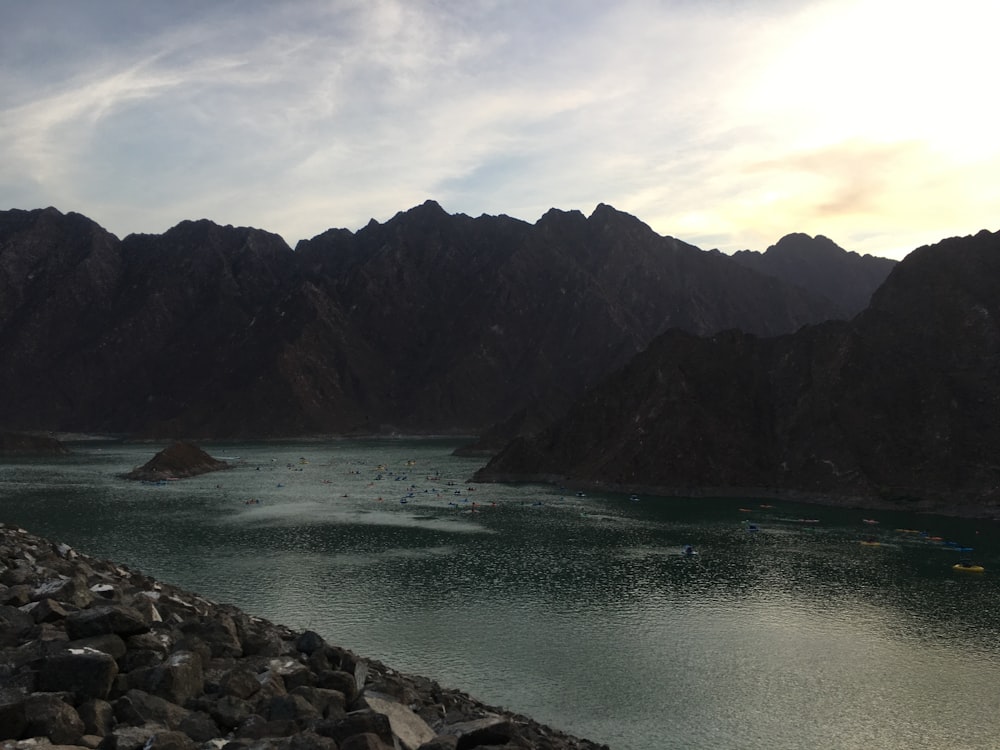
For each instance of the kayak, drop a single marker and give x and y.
(968, 568)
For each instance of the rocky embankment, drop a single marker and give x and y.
(95, 655)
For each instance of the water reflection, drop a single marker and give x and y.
(579, 611)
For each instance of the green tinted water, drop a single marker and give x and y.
(578, 611)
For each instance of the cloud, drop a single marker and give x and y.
(716, 121)
(843, 179)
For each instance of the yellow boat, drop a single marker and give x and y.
(968, 568)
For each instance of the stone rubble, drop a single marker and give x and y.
(95, 655)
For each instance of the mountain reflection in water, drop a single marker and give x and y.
(578, 611)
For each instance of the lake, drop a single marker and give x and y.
(784, 631)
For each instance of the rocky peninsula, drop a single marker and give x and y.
(95, 655)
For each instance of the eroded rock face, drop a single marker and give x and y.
(142, 664)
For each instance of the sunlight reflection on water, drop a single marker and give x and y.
(578, 611)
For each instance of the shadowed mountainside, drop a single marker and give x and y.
(901, 405)
(477, 318)
(820, 265)
(429, 322)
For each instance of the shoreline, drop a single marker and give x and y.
(924, 506)
(96, 655)
(920, 505)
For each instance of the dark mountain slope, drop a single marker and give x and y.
(194, 332)
(59, 279)
(478, 318)
(229, 336)
(823, 267)
(429, 322)
(903, 402)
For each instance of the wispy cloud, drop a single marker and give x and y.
(726, 123)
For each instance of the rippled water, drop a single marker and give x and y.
(578, 611)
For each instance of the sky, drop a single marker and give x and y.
(724, 123)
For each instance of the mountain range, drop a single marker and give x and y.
(899, 405)
(427, 323)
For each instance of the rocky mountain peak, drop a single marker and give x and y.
(900, 406)
(610, 217)
(428, 322)
(430, 211)
(558, 217)
(799, 244)
(820, 264)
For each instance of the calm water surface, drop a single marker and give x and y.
(578, 611)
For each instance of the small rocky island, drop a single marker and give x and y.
(95, 655)
(177, 461)
(19, 443)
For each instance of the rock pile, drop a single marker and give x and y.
(95, 655)
(176, 461)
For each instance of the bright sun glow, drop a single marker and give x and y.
(725, 123)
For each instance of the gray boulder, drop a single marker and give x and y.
(106, 591)
(15, 596)
(46, 610)
(409, 729)
(98, 717)
(330, 703)
(485, 732)
(254, 727)
(177, 680)
(72, 590)
(291, 708)
(309, 641)
(291, 672)
(138, 707)
(101, 620)
(340, 681)
(199, 726)
(229, 712)
(13, 719)
(240, 682)
(110, 644)
(85, 672)
(365, 721)
(15, 626)
(130, 738)
(48, 715)
(219, 633)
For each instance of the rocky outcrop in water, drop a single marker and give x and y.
(428, 322)
(177, 461)
(95, 655)
(19, 443)
(900, 407)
